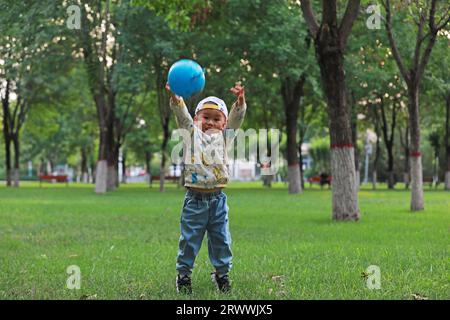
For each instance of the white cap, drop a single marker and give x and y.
(217, 104)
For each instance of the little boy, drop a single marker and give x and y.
(205, 206)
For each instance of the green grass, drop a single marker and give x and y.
(285, 246)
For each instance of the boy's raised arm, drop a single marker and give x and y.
(237, 113)
(182, 116)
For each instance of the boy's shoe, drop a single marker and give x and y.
(184, 284)
(222, 282)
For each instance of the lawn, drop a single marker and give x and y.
(285, 246)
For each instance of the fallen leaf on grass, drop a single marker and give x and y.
(278, 278)
(281, 293)
(418, 296)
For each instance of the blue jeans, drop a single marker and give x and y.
(204, 212)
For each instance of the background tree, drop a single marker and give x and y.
(429, 17)
(437, 98)
(31, 57)
(330, 39)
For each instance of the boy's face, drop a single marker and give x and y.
(211, 119)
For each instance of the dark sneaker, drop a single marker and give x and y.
(184, 284)
(222, 282)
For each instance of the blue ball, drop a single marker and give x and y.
(186, 77)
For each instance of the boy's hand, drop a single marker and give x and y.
(175, 99)
(239, 92)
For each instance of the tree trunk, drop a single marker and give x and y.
(6, 134)
(357, 172)
(294, 179)
(447, 141)
(291, 92)
(113, 170)
(148, 160)
(354, 126)
(162, 171)
(406, 173)
(124, 167)
(112, 177)
(344, 188)
(345, 206)
(84, 165)
(16, 171)
(113, 152)
(417, 202)
(8, 159)
(388, 136)
(377, 151)
(302, 180)
(391, 181)
(101, 174)
(105, 173)
(93, 172)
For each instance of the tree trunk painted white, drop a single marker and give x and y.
(417, 201)
(112, 177)
(295, 186)
(343, 182)
(101, 174)
(447, 180)
(16, 177)
(85, 177)
(416, 184)
(374, 180)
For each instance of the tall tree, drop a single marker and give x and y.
(330, 38)
(30, 57)
(100, 60)
(437, 86)
(425, 16)
(404, 142)
(107, 45)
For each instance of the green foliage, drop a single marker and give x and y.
(256, 42)
(320, 153)
(178, 14)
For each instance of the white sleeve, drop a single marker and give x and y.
(236, 116)
(183, 118)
